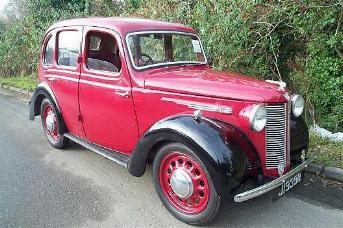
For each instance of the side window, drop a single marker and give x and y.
(49, 51)
(68, 48)
(102, 52)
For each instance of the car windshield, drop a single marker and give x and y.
(148, 49)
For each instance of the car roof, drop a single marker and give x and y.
(123, 25)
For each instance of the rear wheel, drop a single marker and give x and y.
(51, 125)
(184, 185)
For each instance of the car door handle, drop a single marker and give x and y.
(123, 93)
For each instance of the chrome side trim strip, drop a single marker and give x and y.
(273, 184)
(200, 106)
(98, 84)
(114, 156)
(108, 78)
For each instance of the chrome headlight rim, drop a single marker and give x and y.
(296, 109)
(252, 117)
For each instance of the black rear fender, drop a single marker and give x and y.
(42, 91)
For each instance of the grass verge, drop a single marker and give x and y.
(330, 153)
(23, 82)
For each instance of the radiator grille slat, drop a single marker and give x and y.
(276, 135)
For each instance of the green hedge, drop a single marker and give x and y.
(298, 41)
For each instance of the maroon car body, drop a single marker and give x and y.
(99, 88)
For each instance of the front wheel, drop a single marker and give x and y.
(184, 185)
(51, 125)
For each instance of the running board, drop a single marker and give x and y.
(114, 156)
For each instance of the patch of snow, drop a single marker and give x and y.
(327, 134)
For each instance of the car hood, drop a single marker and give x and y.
(207, 82)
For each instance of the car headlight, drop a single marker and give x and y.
(258, 118)
(297, 105)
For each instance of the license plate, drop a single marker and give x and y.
(290, 183)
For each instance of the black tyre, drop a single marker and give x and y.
(51, 125)
(183, 184)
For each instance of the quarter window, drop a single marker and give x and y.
(68, 48)
(49, 51)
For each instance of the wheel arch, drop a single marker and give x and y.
(43, 91)
(206, 137)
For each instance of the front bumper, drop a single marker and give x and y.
(244, 196)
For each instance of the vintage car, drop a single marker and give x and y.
(140, 91)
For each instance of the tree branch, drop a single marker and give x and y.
(275, 61)
(268, 33)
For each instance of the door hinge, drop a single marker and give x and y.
(79, 117)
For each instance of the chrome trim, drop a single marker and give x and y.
(162, 64)
(252, 115)
(181, 183)
(115, 156)
(49, 122)
(241, 197)
(303, 155)
(293, 100)
(276, 135)
(83, 81)
(288, 125)
(200, 106)
(197, 114)
(122, 93)
(109, 77)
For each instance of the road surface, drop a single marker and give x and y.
(44, 187)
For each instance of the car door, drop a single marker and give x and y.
(64, 73)
(106, 102)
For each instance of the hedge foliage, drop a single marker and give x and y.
(297, 41)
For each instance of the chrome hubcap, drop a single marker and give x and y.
(50, 123)
(181, 183)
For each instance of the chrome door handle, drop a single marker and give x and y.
(123, 93)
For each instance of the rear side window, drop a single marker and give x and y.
(68, 48)
(49, 51)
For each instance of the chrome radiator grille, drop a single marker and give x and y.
(276, 135)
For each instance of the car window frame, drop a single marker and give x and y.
(108, 74)
(140, 68)
(46, 40)
(75, 29)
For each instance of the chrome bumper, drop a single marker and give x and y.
(273, 184)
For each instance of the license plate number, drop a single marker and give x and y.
(290, 183)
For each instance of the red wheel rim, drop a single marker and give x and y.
(50, 123)
(195, 202)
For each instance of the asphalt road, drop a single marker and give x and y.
(44, 187)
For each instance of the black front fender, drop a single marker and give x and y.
(299, 138)
(208, 138)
